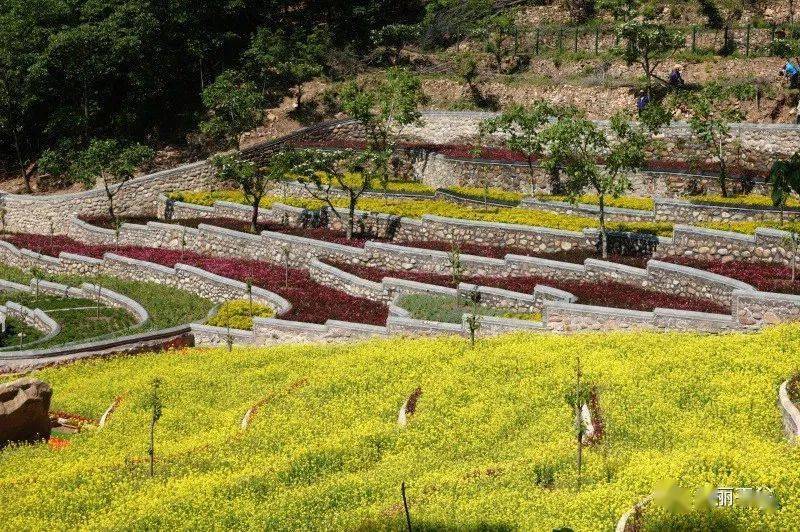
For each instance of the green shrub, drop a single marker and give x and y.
(239, 314)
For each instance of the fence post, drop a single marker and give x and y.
(560, 39)
(694, 39)
(596, 40)
(537, 41)
(575, 46)
(772, 35)
(747, 42)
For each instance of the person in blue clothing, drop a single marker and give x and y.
(641, 102)
(791, 72)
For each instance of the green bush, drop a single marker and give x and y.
(239, 314)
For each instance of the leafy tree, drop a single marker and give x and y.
(111, 162)
(581, 10)
(383, 111)
(648, 44)
(253, 181)
(288, 59)
(352, 171)
(502, 40)
(234, 106)
(467, 70)
(709, 123)
(392, 38)
(523, 131)
(449, 21)
(578, 146)
(784, 178)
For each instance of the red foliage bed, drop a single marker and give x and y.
(607, 294)
(311, 301)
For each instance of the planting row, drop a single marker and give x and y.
(311, 302)
(605, 294)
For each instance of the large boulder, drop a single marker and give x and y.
(24, 408)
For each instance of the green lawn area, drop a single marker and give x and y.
(168, 307)
(324, 451)
(79, 318)
(451, 310)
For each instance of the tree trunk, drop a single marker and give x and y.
(26, 177)
(603, 236)
(254, 219)
(723, 171)
(351, 214)
(152, 451)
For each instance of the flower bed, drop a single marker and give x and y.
(239, 314)
(622, 202)
(416, 208)
(765, 277)
(496, 195)
(311, 302)
(606, 294)
(750, 201)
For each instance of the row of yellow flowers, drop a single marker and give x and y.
(416, 208)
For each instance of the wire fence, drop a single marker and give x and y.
(748, 41)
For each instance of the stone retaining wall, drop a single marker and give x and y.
(35, 318)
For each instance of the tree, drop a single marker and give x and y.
(578, 146)
(576, 399)
(502, 38)
(352, 171)
(647, 43)
(111, 162)
(253, 181)
(233, 107)
(467, 70)
(784, 178)
(709, 123)
(288, 59)
(523, 131)
(155, 406)
(392, 38)
(383, 111)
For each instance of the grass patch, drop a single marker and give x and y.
(79, 318)
(622, 202)
(451, 309)
(167, 306)
(492, 194)
(18, 333)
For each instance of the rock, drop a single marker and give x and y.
(24, 407)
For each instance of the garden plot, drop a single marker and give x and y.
(490, 422)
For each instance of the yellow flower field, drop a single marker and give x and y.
(416, 208)
(324, 451)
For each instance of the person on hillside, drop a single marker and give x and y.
(675, 77)
(791, 72)
(641, 102)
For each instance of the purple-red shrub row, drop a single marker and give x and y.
(765, 277)
(500, 154)
(606, 294)
(311, 301)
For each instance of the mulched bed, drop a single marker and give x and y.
(765, 277)
(311, 301)
(607, 294)
(339, 237)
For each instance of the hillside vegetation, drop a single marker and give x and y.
(491, 428)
